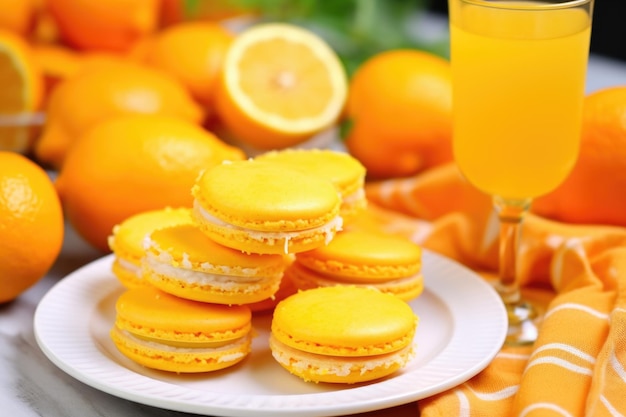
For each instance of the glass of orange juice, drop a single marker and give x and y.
(518, 84)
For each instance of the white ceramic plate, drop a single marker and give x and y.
(462, 327)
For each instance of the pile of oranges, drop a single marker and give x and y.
(126, 101)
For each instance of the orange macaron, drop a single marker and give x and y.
(389, 263)
(127, 239)
(342, 334)
(260, 207)
(184, 261)
(164, 332)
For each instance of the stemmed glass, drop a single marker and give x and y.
(518, 82)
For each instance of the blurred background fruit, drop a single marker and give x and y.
(133, 163)
(31, 224)
(595, 190)
(110, 88)
(399, 113)
(111, 25)
(193, 52)
(18, 16)
(280, 86)
(21, 93)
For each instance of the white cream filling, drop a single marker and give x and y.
(321, 280)
(222, 282)
(129, 267)
(304, 361)
(328, 229)
(167, 258)
(237, 344)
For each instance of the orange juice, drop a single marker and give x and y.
(518, 88)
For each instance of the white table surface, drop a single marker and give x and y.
(30, 385)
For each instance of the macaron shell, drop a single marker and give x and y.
(181, 360)
(187, 246)
(405, 289)
(265, 197)
(362, 256)
(154, 314)
(237, 294)
(322, 368)
(344, 321)
(127, 237)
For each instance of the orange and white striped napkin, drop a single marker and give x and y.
(577, 367)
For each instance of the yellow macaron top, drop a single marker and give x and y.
(341, 168)
(150, 313)
(344, 321)
(186, 246)
(263, 196)
(127, 237)
(364, 254)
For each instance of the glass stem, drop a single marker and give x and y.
(510, 213)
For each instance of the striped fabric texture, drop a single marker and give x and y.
(577, 273)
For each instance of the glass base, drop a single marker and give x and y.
(523, 324)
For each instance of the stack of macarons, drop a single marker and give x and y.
(254, 227)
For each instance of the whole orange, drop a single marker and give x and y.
(595, 190)
(110, 88)
(399, 110)
(111, 25)
(193, 52)
(31, 224)
(130, 164)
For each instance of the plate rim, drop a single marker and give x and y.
(248, 405)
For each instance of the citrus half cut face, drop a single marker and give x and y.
(284, 78)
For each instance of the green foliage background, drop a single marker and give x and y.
(356, 29)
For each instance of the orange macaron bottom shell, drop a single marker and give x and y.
(164, 357)
(351, 370)
(342, 334)
(164, 332)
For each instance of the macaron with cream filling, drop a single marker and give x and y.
(260, 207)
(127, 240)
(183, 261)
(342, 334)
(389, 263)
(164, 332)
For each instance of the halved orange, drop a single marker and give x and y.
(281, 84)
(20, 95)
